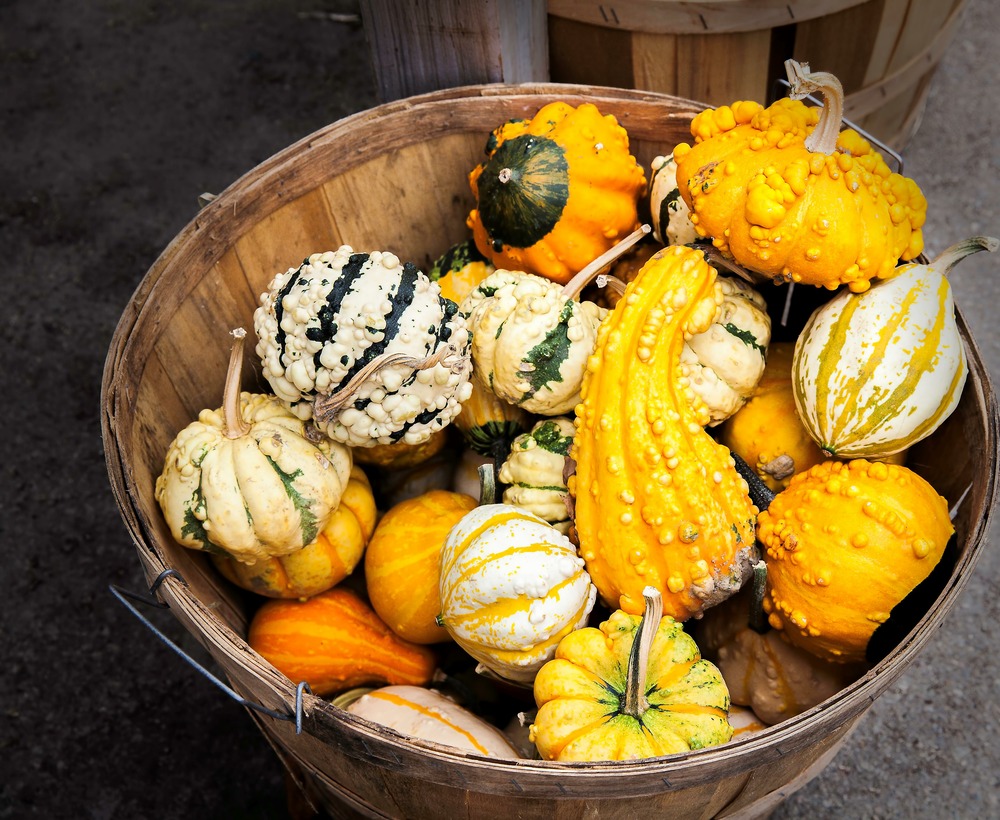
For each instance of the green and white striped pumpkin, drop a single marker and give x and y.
(875, 372)
(323, 326)
(530, 342)
(511, 588)
(670, 214)
(534, 471)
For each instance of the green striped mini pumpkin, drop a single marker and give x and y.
(366, 346)
(876, 372)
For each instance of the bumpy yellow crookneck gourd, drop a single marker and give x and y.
(786, 194)
(657, 501)
(637, 687)
(844, 543)
(247, 479)
(555, 191)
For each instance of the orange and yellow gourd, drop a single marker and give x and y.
(779, 190)
(555, 191)
(658, 501)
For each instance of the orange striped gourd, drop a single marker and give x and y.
(511, 587)
(335, 641)
(403, 563)
(878, 371)
(428, 715)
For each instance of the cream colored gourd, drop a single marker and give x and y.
(531, 337)
(530, 343)
(534, 471)
(246, 479)
(876, 372)
(427, 714)
(724, 363)
(511, 588)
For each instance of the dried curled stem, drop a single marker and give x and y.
(326, 408)
(575, 285)
(780, 468)
(804, 82)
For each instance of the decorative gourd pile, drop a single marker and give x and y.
(550, 467)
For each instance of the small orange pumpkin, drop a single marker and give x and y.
(323, 563)
(403, 563)
(335, 641)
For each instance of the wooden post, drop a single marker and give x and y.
(425, 45)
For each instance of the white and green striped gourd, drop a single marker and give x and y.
(366, 346)
(530, 341)
(875, 372)
(534, 471)
(671, 216)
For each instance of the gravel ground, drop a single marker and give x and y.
(116, 115)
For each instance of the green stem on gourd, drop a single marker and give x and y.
(756, 620)
(951, 256)
(804, 82)
(638, 660)
(236, 425)
(487, 484)
(575, 285)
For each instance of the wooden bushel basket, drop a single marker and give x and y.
(394, 178)
(885, 52)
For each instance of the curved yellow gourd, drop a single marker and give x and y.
(657, 500)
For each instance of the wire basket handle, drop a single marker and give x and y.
(126, 597)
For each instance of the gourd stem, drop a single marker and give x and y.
(573, 287)
(756, 619)
(760, 494)
(487, 484)
(950, 257)
(804, 82)
(236, 425)
(715, 258)
(327, 408)
(638, 660)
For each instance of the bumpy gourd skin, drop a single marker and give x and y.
(555, 191)
(530, 342)
(657, 501)
(581, 692)
(792, 214)
(845, 543)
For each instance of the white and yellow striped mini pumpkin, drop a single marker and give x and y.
(876, 372)
(511, 588)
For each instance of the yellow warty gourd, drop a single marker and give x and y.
(657, 501)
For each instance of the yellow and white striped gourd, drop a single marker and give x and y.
(533, 471)
(511, 588)
(876, 372)
(418, 712)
